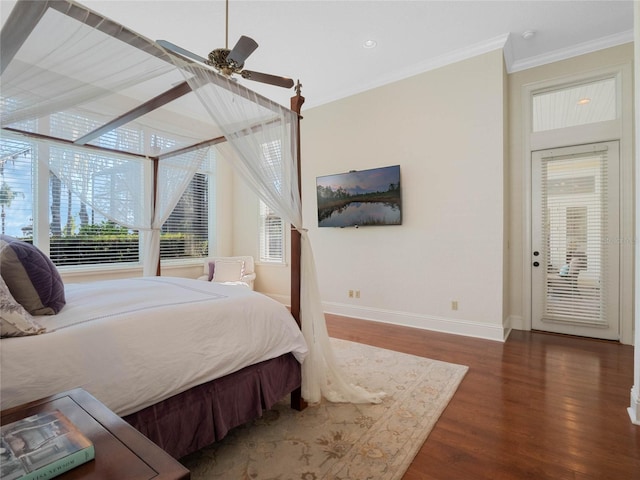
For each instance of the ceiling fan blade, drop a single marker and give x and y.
(266, 78)
(180, 51)
(241, 51)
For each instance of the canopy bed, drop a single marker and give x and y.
(81, 86)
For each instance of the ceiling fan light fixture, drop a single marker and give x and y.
(218, 59)
(231, 61)
(369, 43)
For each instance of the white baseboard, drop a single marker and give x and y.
(634, 409)
(516, 322)
(426, 322)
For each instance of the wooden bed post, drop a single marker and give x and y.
(156, 162)
(297, 402)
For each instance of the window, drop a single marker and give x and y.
(185, 234)
(79, 235)
(575, 105)
(271, 236)
(271, 225)
(16, 190)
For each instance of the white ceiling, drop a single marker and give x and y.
(320, 42)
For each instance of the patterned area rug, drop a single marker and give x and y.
(340, 441)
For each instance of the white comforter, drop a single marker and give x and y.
(134, 342)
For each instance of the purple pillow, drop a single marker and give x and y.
(212, 269)
(32, 278)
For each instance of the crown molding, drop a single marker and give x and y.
(455, 56)
(574, 51)
(500, 42)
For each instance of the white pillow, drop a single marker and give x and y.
(15, 321)
(228, 271)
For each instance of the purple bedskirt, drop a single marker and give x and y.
(204, 414)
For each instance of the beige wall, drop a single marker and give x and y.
(634, 407)
(457, 134)
(273, 280)
(436, 126)
(445, 129)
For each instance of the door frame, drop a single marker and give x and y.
(620, 130)
(611, 252)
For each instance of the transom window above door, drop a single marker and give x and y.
(575, 105)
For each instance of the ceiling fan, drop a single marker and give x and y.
(230, 62)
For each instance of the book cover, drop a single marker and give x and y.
(42, 446)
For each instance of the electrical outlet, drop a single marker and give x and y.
(357, 293)
(454, 305)
(350, 293)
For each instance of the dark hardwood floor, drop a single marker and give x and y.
(539, 406)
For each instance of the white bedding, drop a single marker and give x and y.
(132, 343)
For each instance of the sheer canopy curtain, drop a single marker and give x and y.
(73, 74)
(173, 176)
(261, 146)
(79, 78)
(120, 187)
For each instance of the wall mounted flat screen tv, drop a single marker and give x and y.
(360, 198)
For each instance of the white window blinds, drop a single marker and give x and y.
(271, 236)
(185, 234)
(77, 234)
(574, 203)
(81, 236)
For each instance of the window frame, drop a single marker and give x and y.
(40, 190)
(620, 129)
(264, 214)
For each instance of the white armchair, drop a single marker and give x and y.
(229, 270)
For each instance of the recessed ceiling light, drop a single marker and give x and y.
(369, 44)
(584, 101)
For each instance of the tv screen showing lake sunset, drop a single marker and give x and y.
(360, 198)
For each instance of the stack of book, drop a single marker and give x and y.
(42, 446)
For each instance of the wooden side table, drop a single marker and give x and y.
(122, 453)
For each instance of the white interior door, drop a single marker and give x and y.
(575, 240)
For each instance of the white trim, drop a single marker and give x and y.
(500, 42)
(516, 322)
(425, 322)
(634, 409)
(507, 52)
(395, 75)
(265, 211)
(573, 51)
(627, 209)
(561, 137)
(527, 126)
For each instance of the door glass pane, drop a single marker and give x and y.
(575, 105)
(575, 225)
